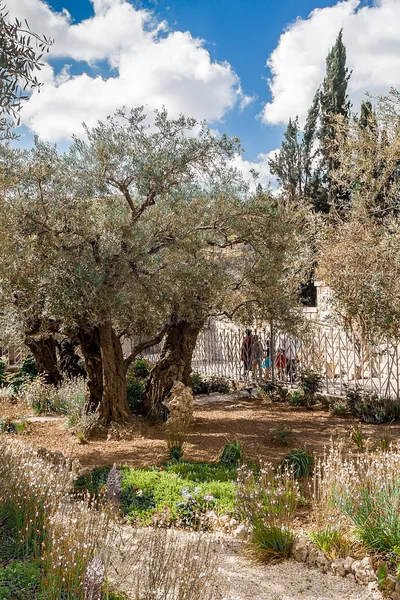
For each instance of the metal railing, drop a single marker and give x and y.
(339, 357)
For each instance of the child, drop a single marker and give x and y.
(280, 362)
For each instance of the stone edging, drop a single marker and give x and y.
(362, 571)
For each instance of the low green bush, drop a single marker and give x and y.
(210, 385)
(371, 408)
(282, 435)
(27, 372)
(331, 542)
(20, 581)
(3, 377)
(271, 542)
(310, 383)
(297, 398)
(135, 389)
(136, 382)
(181, 491)
(140, 368)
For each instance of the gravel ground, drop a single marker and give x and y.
(237, 577)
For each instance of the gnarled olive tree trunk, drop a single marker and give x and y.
(114, 404)
(88, 337)
(174, 365)
(44, 350)
(69, 359)
(106, 374)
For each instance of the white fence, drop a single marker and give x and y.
(341, 359)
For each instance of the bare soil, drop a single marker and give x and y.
(217, 422)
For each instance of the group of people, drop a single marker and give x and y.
(257, 359)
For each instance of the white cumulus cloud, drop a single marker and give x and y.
(260, 166)
(371, 36)
(149, 64)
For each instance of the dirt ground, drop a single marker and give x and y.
(217, 422)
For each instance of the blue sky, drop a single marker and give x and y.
(244, 66)
(242, 32)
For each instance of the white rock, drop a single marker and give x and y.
(300, 548)
(338, 568)
(322, 562)
(241, 532)
(347, 563)
(312, 555)
(233, 523)
(363, 570)
(373, 589)
(390, 583)
(224, 520)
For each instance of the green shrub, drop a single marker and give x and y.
(3, 378)
(297, 398)
(183, 491)
(175, 453)
(137, 374)
(93, 482)
(135, 389)
(310, 383)
(300, 462)
(231, 455)
(370, 408)
(277, 392)
(198, 385)
(26, 373)
(208, 386)
(29, 367)
(20, 581)
(282, 434)
(140, 368)
(338, 408)
(331, 542)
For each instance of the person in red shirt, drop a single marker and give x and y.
(280, 362)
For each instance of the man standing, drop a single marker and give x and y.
(246, 352)
(290, 350)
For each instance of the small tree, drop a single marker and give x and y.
(21, 51)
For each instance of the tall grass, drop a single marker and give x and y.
(360, 492)
(65, 399)
(40, 522)
(267, 500)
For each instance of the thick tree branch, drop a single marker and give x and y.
(144, 345)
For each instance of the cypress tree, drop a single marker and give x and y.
(334, 101)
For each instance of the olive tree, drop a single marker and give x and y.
(100, 224)
(359, 248)
(21, 51)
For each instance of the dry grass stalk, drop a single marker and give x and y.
(64, 534)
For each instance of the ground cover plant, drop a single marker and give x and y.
(180, 493)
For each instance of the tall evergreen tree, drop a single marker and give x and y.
(334, 101)
(293, 166)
